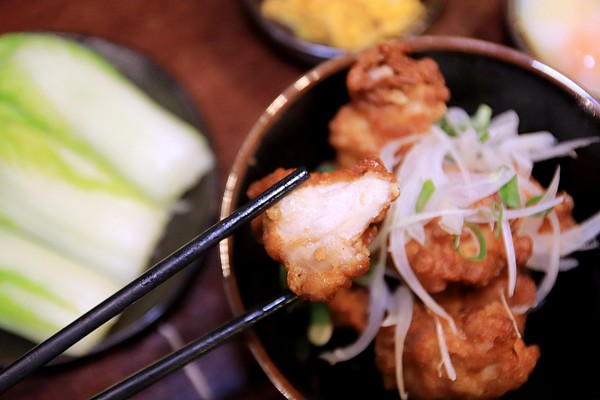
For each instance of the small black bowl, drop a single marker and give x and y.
(311, 53)
(293, 132)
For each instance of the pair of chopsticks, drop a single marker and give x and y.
(115, 304)
(178, 359)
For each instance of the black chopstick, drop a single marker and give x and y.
(178, 359)
(115, 304)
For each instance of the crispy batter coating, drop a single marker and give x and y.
(392, 95)
(321, 230)
(349, 307)
(437, 263)
(489, 356)
(258, 187)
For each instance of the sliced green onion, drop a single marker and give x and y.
(533, 201)
(426, 192)
(481, 122)
(509, 193)
(327, 167)
(447, 128)
(483, 136)
(480, 238)
(497, 213)
(283, 276)
(320, 328)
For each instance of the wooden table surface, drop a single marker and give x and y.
(232, 75)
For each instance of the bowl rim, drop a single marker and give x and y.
(244, 158)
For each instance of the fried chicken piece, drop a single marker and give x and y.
(321, 230)
(437, 263)
(489, 355)
(348, 307)
(392, 95)
(258, 187)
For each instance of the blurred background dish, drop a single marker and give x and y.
(317, 30)
(294, 132)
(184, 226)
(561, 34)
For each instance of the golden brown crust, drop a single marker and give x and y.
(489, 356)
(321, 230)
(349, 308)
(392, 95)
(258, 187)
(437, 263)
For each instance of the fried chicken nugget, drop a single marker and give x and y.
(489, 355)
(321, 230)
(349, 307)
(392, 95)
(437, 263)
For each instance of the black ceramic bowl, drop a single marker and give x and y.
(312, 53)
(293, 132)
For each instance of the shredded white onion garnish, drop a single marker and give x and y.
(446, 360)
(578, 238)
(510, 313)
(549, 279)
(446, 175)
(404, 310)
(397, 242)
(510, 257)
(378, 301)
